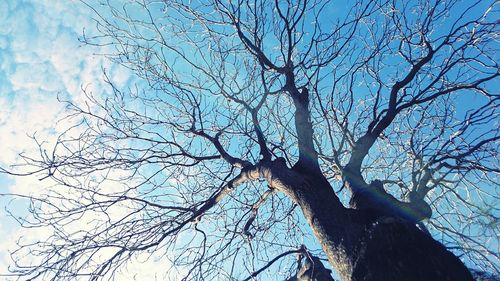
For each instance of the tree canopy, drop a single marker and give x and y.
(393, 103)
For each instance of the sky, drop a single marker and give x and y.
(42, 59)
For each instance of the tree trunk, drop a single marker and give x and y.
(358, 248)
(396, 250)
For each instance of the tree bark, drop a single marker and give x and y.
(361, 249)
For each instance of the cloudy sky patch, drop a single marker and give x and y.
(41, 59)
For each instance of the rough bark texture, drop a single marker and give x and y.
(361, 247)
(312, 269)
(392, 249)
(376, 238)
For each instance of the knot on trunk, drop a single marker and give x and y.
(310, 268)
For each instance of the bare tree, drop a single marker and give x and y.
(256, 124)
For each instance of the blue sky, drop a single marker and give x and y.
(41, 58)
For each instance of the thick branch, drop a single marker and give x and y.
(378, 203)
(264, 151)
(237, 162)
(363, 144)
(308, 157)
(255, 209)
(247, 174)
(255, 50)
(271, 262)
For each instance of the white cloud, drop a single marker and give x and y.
(40, 57)
(24, 115)
(142, 266)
